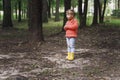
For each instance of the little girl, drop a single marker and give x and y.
(71, 28)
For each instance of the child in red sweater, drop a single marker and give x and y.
(71, 28)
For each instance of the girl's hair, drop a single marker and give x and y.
(72, 12)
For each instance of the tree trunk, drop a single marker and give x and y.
(45, 11)
(83, 15)
(118, 4)
(95, 16)
(52, 1)
(102, 11)
(80, 11)
(57, 11)
(19, 11)
(49, 9)
(16, 11)
(24, 15)
(22, 11)
(1, 8)
(67, 5)
(85, 12)
(35, 20)
(7, 20)
(52, 10)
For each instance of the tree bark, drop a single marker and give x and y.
(83, 13)
(57, 11)
(16, 16)
(45, 11)
(52, 1)
(19, 11)
(49, 8)
(35, 20)
(52, 10)
(102, 11)
(67, 5)
(118, 4)
(95, 16)
(7, 20)
(80, 10)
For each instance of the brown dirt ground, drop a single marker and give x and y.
(97, 56)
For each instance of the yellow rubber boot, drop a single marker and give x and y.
(71, 56)
(68, 56)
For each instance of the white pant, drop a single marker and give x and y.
(71, 44)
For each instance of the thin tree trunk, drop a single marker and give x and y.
(57, 11)
(0, 15)
(52, 8)
(19, 13)
(49, 8)
(35, 20)
(45, 11)
(16, 11)
(95, 16)
(24, 15)
(80, 11)
(104, 9)
(102, 12)
(22, 10)
(118, 4)
(7, 20)
(85, 13)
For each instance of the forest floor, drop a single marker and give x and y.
(97, 56)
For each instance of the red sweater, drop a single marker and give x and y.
(71, 28)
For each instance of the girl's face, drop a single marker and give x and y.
(69, 15)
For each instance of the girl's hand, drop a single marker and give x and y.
(65, 27)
